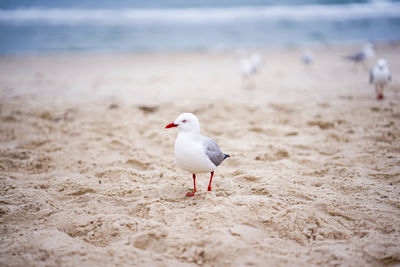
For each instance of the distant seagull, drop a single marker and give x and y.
(248, 71)
(257, 60)
(247, 67)
(195, 153)
(380, 76)
(360, 57)
(308, 57)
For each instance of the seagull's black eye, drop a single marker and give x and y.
(184, 121)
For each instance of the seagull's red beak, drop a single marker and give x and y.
(171, 125)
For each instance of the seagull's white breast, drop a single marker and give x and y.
(381, 75)
(190, 154)
(246, 67)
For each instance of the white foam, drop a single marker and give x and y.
(373, 9)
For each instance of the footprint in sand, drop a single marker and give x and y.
(323, 125)
(152, 240)
(277, 155)
(148, 109)
(137, 164)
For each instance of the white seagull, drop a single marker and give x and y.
(257, 60)
(360, 57)
(247, 68)
(195, 153)
(308, 57)
(380, 77)
(250, 65)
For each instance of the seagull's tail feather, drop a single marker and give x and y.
(226, 156)
(356, 57)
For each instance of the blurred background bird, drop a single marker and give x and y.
(363, 56)
(257, 60)
(380, 76)
(247, 70)
(249, 66)
(307, 57)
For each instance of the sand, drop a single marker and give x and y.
(87, 173)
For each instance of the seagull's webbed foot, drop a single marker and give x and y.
(190, 194)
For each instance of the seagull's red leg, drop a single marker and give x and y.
(194, 187)
(209, 185)
(379, 92)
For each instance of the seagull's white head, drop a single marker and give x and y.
(382, 63)
(369, 50)
(187, 122)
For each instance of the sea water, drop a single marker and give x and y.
(32, 27)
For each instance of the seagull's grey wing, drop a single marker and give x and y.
(356, 57)
(371, 76)
(213, 151)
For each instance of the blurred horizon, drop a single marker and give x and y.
(37, 27)
(101, 4)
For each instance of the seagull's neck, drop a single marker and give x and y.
(191, 135)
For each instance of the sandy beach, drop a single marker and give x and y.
(87, 172)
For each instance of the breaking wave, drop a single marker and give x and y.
(373, 9)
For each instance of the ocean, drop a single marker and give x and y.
(74, 26)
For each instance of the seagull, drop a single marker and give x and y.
(248, 70)
(380, 76)
(360, 57)
(257, 60)
(195, 153)
(247, 67)
(308, 57)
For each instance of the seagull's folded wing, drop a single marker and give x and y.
(212, 150)
(371, 76)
